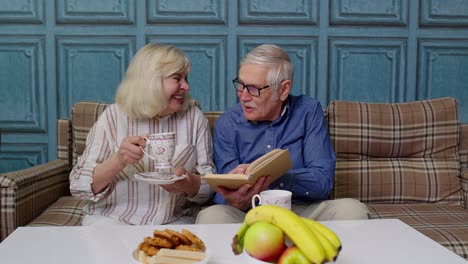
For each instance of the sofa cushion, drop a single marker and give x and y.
(396, 152)
(66, 211)
(445, 224)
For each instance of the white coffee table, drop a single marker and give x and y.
(368, 241)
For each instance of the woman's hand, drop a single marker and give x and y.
(188, 186)
(130, 150)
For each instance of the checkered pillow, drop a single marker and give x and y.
(64, 140)
(85, 114)
(396, 152)
(463, 148)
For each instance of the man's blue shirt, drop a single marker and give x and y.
(301, 128)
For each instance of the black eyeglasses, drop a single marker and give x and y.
(253, 90)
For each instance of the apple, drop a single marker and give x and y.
(264, 241)
(292, 255)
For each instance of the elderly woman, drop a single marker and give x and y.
(152, 98)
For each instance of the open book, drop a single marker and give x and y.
(274, 163)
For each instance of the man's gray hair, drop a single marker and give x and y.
(273, 57)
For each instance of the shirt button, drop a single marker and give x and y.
(269, 146)
(281, 184)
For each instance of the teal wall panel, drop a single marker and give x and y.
(54, 53)
(23, 84)
(370, 70)
(22, 11)
(95, 12)
(304, 12)
(444, 71)
(444, 13)
(20, 156)
(369, 12)
(183, 11)
(90, 68)
(208, 56)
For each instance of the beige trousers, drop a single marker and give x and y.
(340, 209)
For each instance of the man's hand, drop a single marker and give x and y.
(242, 197)
(240, 169)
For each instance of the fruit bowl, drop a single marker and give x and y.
(267, 229)
(253, 260)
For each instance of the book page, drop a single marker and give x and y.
(274, 163)
(274, 166)
(230, 181)
(258, 162)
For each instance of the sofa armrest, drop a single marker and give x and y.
(464, 185)
(25, 194)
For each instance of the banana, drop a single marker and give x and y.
(238, 240)
(327, 232)
(331, 252)
(291, 224)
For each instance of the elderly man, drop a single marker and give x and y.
(266, 118)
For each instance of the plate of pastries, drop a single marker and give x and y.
(169, 246)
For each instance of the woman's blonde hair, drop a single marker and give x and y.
(140, 94)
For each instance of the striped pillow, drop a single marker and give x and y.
(396, 152)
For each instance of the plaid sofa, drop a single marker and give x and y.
(40, 196)
(407, 161)
(421, 186)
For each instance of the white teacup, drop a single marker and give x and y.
(273, 197)
(160, 148)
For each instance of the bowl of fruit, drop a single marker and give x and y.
(272, 234)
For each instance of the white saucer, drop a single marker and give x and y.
(159, 178)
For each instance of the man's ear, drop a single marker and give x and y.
(285, 89)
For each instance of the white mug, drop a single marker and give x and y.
(160, 148)
(273, 197)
